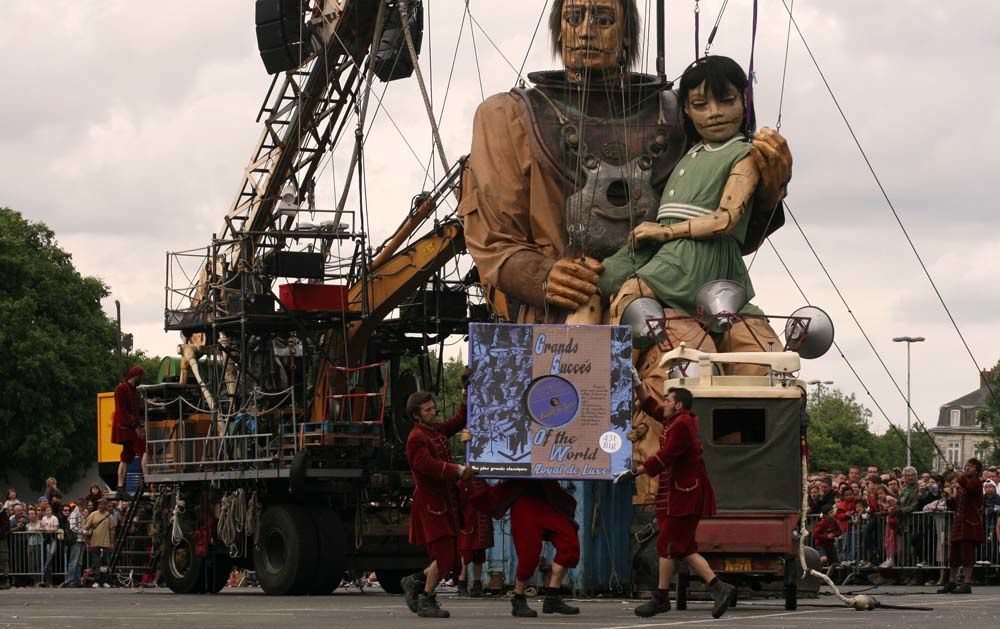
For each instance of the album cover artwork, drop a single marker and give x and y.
(549, 401)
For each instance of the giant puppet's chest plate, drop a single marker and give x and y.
(549, 401)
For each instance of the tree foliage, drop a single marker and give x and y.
(840, 436)
(57, 346)
(989, 417)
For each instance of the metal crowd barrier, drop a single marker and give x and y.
(914, 540)
(36, 555)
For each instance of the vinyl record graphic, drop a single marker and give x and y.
(552, 401)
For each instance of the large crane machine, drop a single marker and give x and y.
(279, 444)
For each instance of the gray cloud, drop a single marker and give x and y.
(127, 132)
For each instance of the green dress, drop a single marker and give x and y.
(676, 269)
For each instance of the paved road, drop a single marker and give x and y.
(354, 610)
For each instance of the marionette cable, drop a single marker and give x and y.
(475, 54)
(850, 365)
(490, 39)
(857, 323)
(715, 28)
(885, 195)
(541, 16)
(784, 69)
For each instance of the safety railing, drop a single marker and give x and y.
(203, 454)
(43, 559)
(902, 540)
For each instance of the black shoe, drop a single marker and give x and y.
(412, 585)
(463, 587)
(947, 589)
(554, 604)
(722, 593)
(658, 604)
(428, 607)
(519, 607)
(476, 591)
(962, 588)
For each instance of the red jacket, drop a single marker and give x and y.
(825, 532)
(968, 506)
(845, 509)
(477, 527)
(684, 487)
(125, 418)
(435, 511)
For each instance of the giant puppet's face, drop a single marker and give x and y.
(591, 34)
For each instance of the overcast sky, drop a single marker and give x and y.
(127, 126)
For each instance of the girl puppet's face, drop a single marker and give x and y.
(715, 118)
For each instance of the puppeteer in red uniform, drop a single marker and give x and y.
(684, 495)
(434, 518)
(540, 511)
(474, 537)
(967, 530)
(126, 427)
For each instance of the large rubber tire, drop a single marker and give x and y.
(332, 558)
(285, 557)
(183, 570)
(390, 580)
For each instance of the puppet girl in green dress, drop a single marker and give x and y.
(703, 214)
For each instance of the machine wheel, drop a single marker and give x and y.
(286, 556)
(682, 591)
(389, 580)
(332, 559)
(184, 571)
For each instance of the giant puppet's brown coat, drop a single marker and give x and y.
(435, 512)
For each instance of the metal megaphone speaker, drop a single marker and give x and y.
(717, 299)
(636, 316)
(814, 341)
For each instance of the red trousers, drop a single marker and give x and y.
(474, 556)
(676, 538)
(962, 553)
(132, 449)
(533, 521)
(444, 550)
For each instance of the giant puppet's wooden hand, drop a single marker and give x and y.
(572, 282)
(774, 162)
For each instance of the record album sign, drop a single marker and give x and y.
(549, 401)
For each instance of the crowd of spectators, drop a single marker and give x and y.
(52, 534)
(868, 518)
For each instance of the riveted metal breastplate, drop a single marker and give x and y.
(614, 153)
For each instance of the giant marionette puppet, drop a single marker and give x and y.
(562, 173)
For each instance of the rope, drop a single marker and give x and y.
(404, 14)
(847, 306)
(850, 366)
(885, 195)
(176, 533)
(232, 517)
(784, 68)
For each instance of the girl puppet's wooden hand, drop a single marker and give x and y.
(650, 232)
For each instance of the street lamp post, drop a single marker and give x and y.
(909, 340)
(819, 385)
